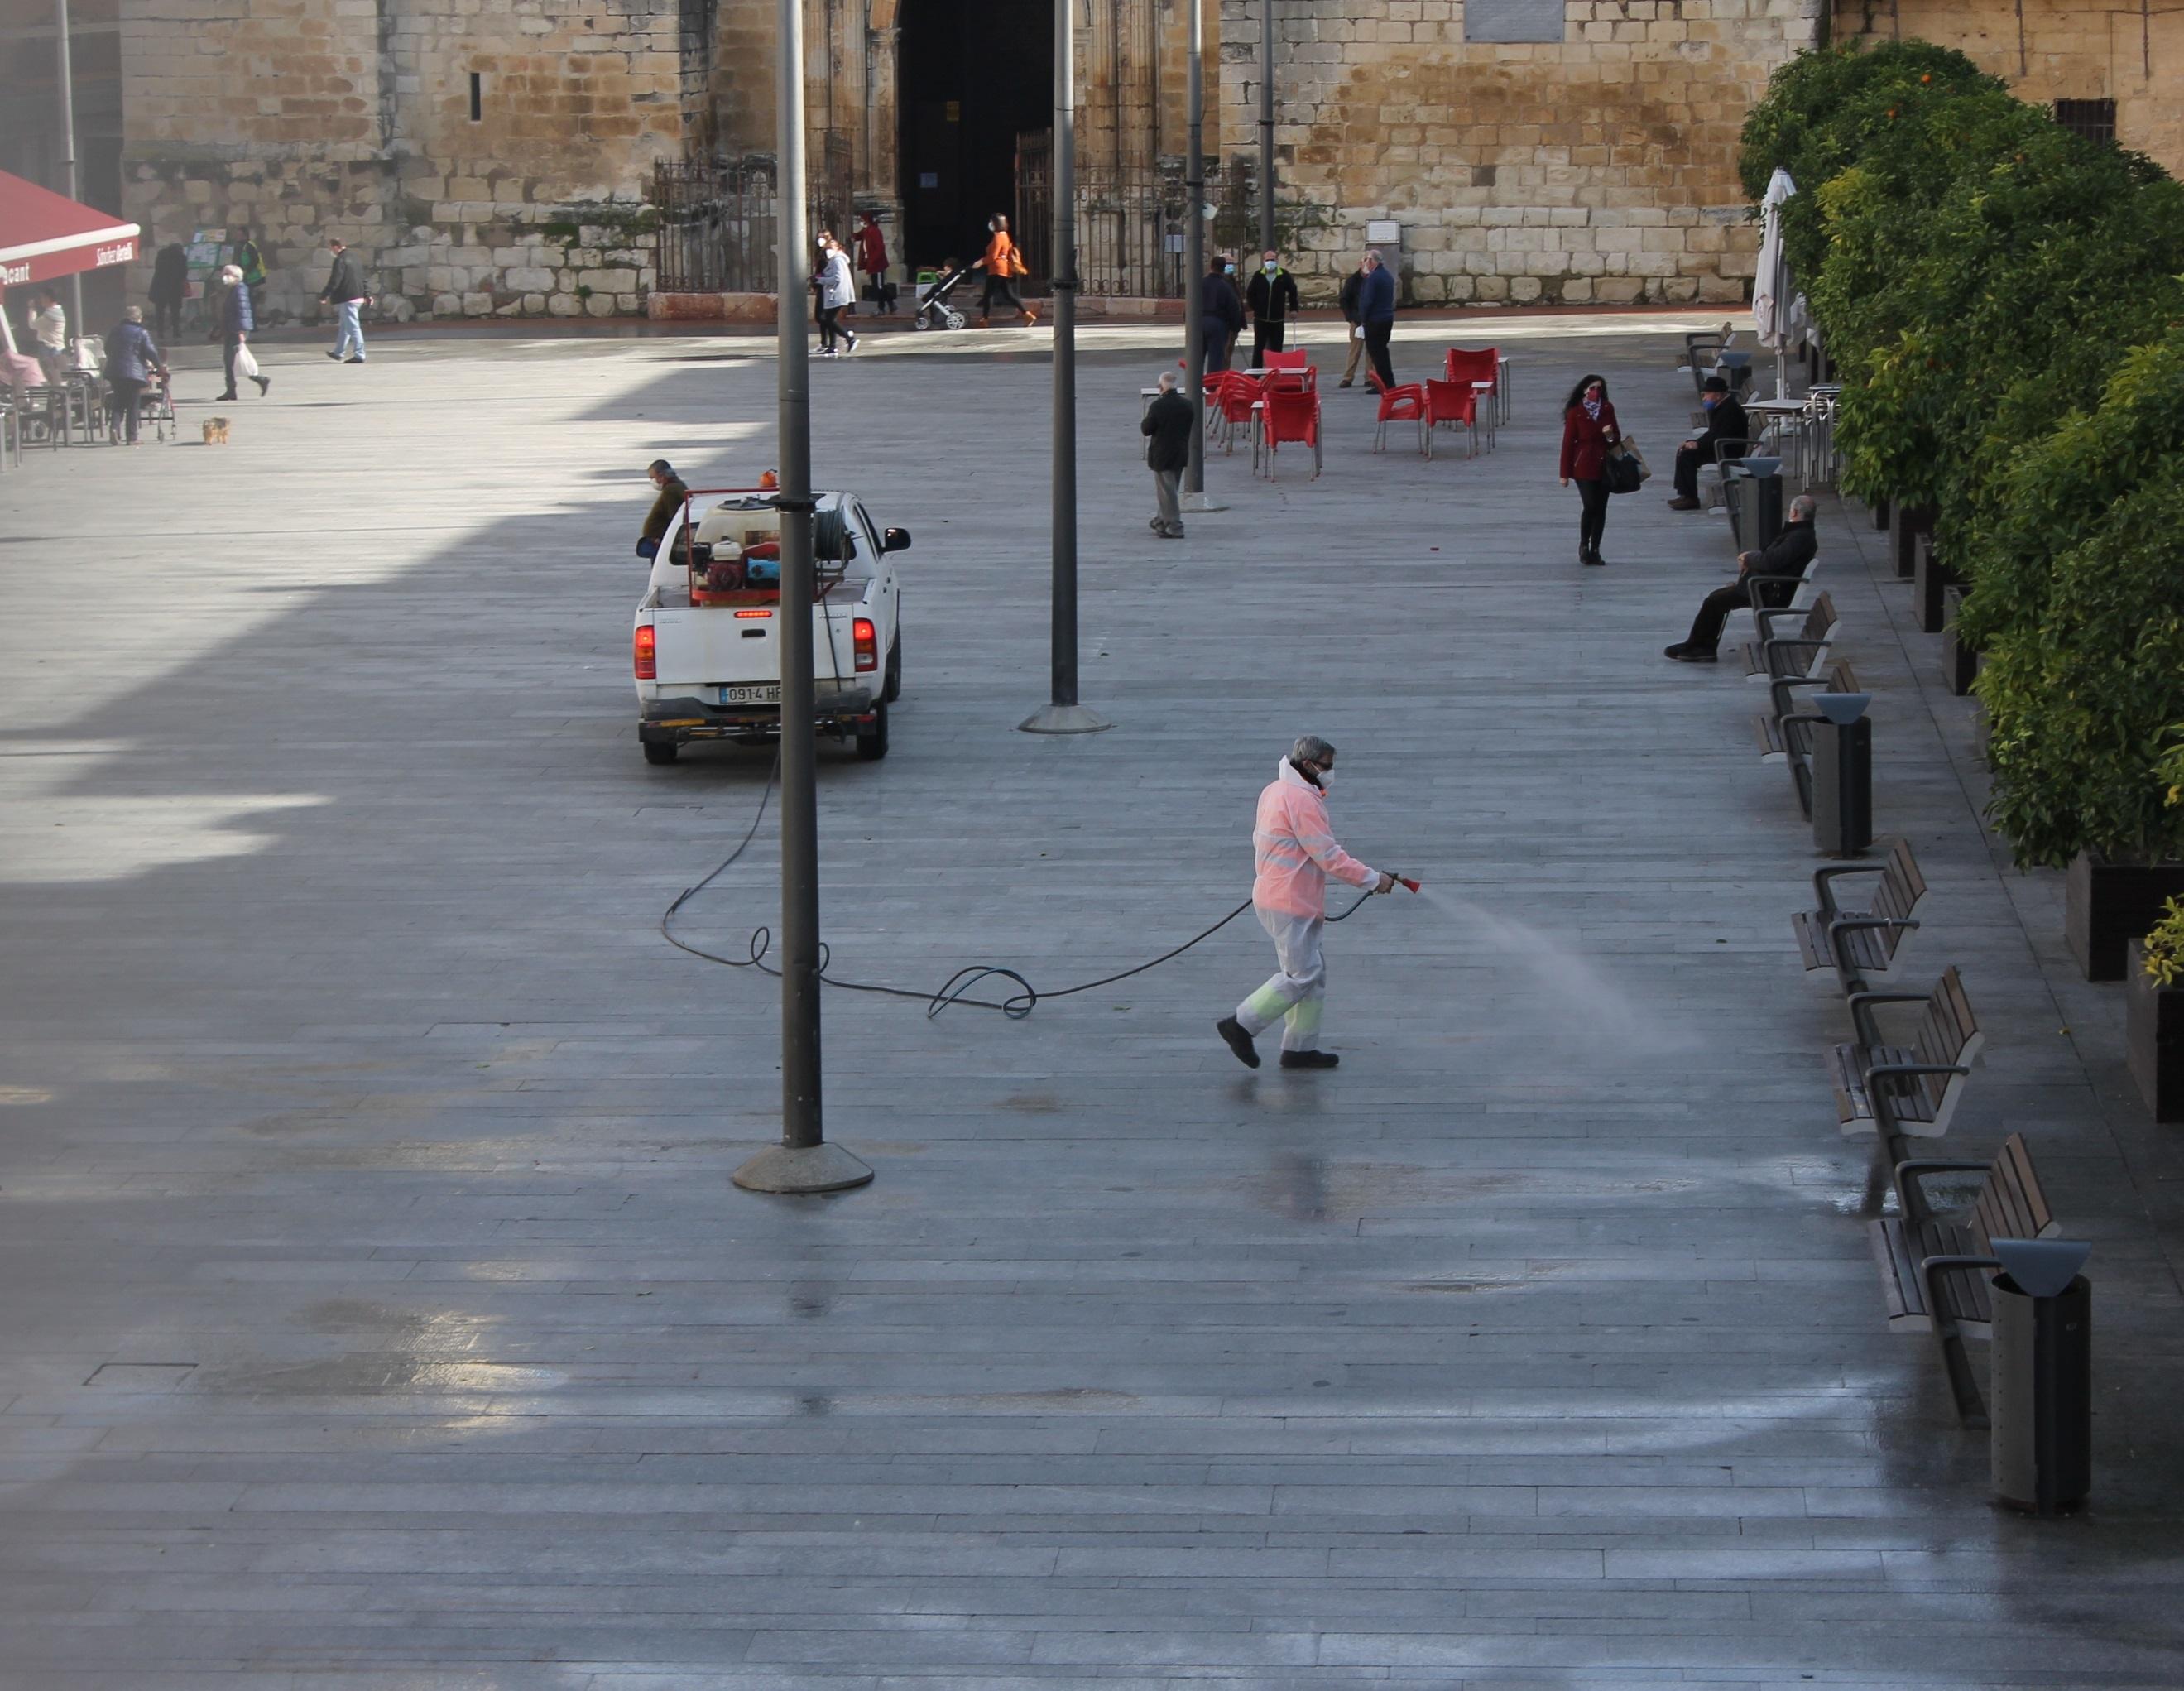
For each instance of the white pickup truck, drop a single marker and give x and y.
(706, 649)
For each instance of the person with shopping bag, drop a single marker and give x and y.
(237, 325)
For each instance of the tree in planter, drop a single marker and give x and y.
(2085, 673)
(1812, 120)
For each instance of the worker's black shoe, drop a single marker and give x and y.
(1309, 1059)
(1231, 1030)
(1684, 652)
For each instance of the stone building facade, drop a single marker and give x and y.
(494, 159)
(2103, 64)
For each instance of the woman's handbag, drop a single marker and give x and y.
(1625, 469)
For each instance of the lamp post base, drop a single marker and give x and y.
(1063, 719)
(809, 1169)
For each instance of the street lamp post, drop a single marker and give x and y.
(1061, 714)
(803, 1161)
(1267, 127)
(1194, 243)
(68, 148)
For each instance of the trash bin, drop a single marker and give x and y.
(1842, 775)
(1752, 489)
(2042, 1395)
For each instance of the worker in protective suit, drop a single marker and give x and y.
(1293, 854)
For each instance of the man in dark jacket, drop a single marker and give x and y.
(1376, 314)
(345, 292)
(1168, 421)
(1353, 286)
(1725, 422)
(673, 491)
(237, 325)
(170, 286)
(1786, 556)
(1272, 298)
(1220, 312)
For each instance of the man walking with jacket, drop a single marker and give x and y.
(1294, 852)
(344, 292)
(1273, 299)
(1168, 422)
(1376, 314)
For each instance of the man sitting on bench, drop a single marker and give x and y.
(1725, 421)
(1785, 554)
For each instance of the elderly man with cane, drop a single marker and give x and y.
(1293, 854)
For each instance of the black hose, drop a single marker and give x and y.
(1016, 1007)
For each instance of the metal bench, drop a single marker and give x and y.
(1784, 733)
(1803, 652)
(1860, 944)
(1802, 586)
(1911, 1088)
(1934, 1267)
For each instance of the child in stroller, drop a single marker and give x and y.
(933, 311)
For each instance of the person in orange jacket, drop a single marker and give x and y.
(1002, 261)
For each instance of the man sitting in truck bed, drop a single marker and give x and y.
(665, 508)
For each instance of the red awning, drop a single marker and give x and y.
(44, 235)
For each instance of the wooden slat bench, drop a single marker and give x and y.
(1910, 1089)
(1800, 585)
(1934, 1267)
(1860, 944)
(1803, 651)
(1784, 733)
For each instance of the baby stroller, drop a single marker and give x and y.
(933, 311)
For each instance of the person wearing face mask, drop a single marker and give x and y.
(1724, 437)
(666, 506)
(1589, 429)
(1294, 852)
(1220, 311)
(1271, 298)
(1002, 261)
(831, 283)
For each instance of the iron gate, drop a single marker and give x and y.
(720, 223)
(1129, 223)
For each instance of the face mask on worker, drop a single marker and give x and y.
(1270, 266)
(1227, 269)
(992, 227)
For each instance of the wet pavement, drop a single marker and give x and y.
(379, 1311)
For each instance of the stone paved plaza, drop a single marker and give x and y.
(378, 1313)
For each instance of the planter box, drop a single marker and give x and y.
(2153, 1037)
(2106, 905)
(1905, 526)
(1881, 515)
(1959, 664)
(1930, 580)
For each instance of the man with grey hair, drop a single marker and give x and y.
(1376, 314)
(1168, 423)
(1293, 853)
(1773, 571)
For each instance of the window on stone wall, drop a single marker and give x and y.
(1512, 21)
(2095, 119)
(477, 98)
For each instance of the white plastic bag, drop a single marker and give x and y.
(246, 363)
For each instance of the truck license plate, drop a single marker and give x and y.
(767, 693)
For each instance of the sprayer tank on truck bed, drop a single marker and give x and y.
(707, 654)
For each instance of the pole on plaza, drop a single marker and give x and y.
(1267, 127)
(803, 1162)
(68, 148)
(1194, 260)
(1061, 714)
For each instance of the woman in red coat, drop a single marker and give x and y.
(1588, 431)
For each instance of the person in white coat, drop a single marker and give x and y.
(1294, 852)
(836, 290)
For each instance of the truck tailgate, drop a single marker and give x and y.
(717, 645)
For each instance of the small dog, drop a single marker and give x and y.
(215, 432)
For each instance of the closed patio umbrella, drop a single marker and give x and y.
(1770, 284)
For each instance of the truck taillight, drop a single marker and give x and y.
(646, 651)
(867, 638)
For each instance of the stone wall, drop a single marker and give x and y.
(304, 119)
(2049, 50)
(1599, 167)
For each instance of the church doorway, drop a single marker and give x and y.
(974, 75)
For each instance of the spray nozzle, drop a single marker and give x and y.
(1408, 882)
